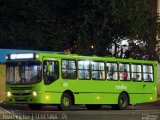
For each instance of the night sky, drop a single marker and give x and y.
(75, 25)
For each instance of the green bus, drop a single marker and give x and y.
(44, 78)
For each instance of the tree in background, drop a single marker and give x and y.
(86, 27)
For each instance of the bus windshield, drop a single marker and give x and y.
(26, 72)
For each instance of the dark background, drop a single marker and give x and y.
(76, 25)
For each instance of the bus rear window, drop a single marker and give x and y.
(136, 72)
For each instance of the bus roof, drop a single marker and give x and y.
(4, 52)
(97, 58)
(76, 56)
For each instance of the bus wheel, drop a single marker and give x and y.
(93, 107)
(123, 102)
(66, 102)
(35, 106)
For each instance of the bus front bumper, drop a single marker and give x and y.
(35, 98)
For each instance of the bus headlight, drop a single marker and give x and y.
(34, 93)
(9, 94)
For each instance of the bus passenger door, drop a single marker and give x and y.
(50, 70)
(50, 77)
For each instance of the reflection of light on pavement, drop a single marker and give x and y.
(4, 111)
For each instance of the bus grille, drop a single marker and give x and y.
(21, 99)
(21, 88)
(21, 94)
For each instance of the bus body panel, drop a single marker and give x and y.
(84, 91)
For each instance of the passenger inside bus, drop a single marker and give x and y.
(124, 75)
(102, 75)
(137, 77)
(149, 78)
(111, 74)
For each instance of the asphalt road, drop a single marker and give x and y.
(85, 115)
(149, 111)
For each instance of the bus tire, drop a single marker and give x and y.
(123, 102)
(93, 107)
(66, 102)
(35, 106)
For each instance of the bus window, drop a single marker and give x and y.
(69, 69)
(24, 72)
(136, 72)
(111, 71)
(51, 71)
(84, 70)
(98, 72)
(148, 73)
(124, 71)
